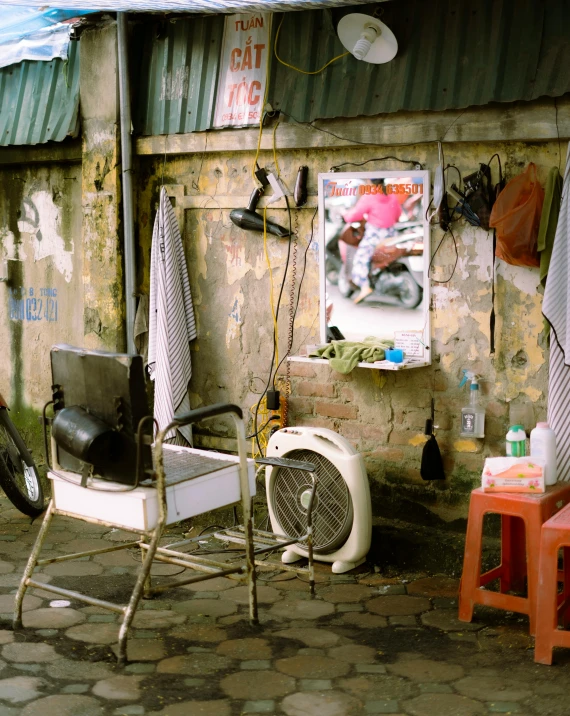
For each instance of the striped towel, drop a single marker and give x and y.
(556, 310)
(171, 321)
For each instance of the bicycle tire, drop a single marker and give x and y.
(19, 476)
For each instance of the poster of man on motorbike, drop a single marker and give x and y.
(374, 244)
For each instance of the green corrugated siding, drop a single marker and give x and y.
(179, 75)
(452, 55)
(39, 101)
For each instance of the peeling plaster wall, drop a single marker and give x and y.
(383, 414)
(42, 304)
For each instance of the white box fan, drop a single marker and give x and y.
(342, 514)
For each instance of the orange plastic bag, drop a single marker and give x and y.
(516, 217)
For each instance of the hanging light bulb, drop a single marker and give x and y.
(367, 38)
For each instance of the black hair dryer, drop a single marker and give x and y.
(250, 220)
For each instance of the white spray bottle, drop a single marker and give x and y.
(472, 415)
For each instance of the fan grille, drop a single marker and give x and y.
(332, 512)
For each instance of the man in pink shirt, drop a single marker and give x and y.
(381, 211)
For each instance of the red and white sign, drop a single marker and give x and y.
(243, 65)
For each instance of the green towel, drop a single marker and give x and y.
(344, 356)
(548, 223)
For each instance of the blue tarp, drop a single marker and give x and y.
(19, 21)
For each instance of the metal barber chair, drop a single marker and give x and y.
(104, 472)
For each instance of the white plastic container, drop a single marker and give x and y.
(543, 445)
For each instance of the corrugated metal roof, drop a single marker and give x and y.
(19, 20)
(451, 55)
(39, 101)
(180, 71)
(209, 7)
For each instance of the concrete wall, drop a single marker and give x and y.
(42, 304)
(383, 414)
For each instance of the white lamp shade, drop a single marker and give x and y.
(383, 49)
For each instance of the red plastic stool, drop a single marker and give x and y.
(522, 517)
(555, 535)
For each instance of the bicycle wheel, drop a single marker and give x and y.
(18, 474)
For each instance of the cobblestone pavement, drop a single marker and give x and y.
(367, 644)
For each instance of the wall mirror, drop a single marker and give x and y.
(374, 260)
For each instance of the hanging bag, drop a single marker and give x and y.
(516, 218)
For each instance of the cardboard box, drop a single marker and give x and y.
(513, 474)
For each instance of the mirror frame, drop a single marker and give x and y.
(378, 174)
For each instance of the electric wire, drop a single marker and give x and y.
(376, 159)
(271, 297)
(297, 69)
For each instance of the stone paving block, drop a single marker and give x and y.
(150, 619)
(381, 707)
(493, 688)
(443, 705)
(143, 650)
(504, 707)
(70, 670)
(252, 648)
(29, 653)
(75, 689)
(129, 710)
(6, 567)
(311, 651)
(312, 667)
(259, 707)
(140, 668)
(94, 633)
(52, 618)
(21, 688)
(205, 633)
(446, 620)
(252, 685)
(193, 664)
(64, 705)
(30, 668)
(195, 708)
(254, 664)
(102, 618)
(378, 686)
(119, 688)
(206, 607)
(194, 682)
(301, 609)
(206, 595)
(398, 606)
(341, 608)
(434, 587)
(390, 589)
(426, 670)
(346, 593)
(353, 654)
(370, 669)
(265, 595)
(310, 636)
(323, 703)
(217, 584)
(7, 603)
(6, 637)
(315, 684)
(365, 621)
(435, 689)
(402, 621)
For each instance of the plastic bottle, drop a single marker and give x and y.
(472, 415)
(516, 441)
(543, 444)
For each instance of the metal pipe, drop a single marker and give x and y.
(77, 595)
(127, 183)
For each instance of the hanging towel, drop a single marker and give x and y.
(344, 356)
(556, 310)
(171, 321)
(141, 327)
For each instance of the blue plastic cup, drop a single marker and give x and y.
(395, 355)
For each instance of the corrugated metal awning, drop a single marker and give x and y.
(39, 101)
(209, 7)
(451, 55)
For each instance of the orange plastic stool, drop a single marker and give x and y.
(522, 517)
(555, 535)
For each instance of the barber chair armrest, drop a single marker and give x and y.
(208, 411)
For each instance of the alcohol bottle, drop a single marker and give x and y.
(472, 415)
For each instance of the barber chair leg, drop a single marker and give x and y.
(136, 595)
(32, 561)
(251, 573)
(148, 582)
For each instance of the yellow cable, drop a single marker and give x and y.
(270, 285)
(297, 69)
(262, 110)
(275, 151)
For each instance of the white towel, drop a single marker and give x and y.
(556, 310)
(171, 320)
